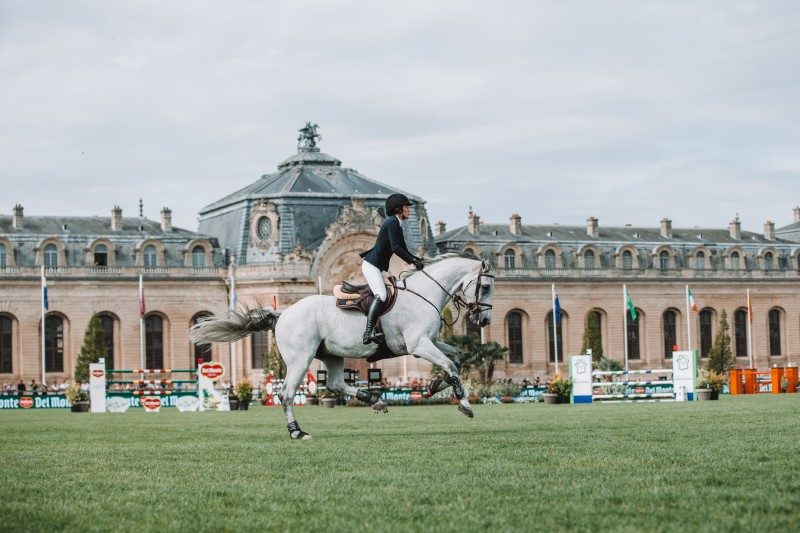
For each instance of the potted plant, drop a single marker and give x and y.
(703, 390)
(233, 400)
(716, 381)
(244, 391)
(328, 399)
(78, 397)
(559, 390)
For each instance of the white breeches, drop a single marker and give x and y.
(375, 279)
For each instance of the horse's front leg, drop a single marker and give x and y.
(429, 351)
(453, 353)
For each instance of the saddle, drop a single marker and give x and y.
(358, 298)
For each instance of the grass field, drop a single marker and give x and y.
(726, 465)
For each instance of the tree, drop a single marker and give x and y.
(93, 348)
(592, 338)
(720, 356)
(275, 361)
(481, 357)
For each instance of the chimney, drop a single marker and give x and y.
(769, 230)
(17, 220)
(116, 218)
(592, 228)
(666, 228)
(473, 223)
(166, 219)
(735, 228)
(440, 228)
(515, 224)
(797, 214)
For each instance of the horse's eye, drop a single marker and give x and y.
(486, 288)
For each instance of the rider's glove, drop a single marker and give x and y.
(418, 263)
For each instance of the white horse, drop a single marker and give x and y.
(315, 328)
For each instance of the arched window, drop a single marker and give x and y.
(154, 341)
(700, 261)
(150, 256)
(593, 333)
(633, 335)
(514, 325)
(510, 259)
(198, 256)
(259, 344)
(50, 256)
(663, 260)
(588, 259)
(740, 332)
(202, 352)
(53, 344)
(627, 260)
(735, 260)
(706, 318)
(5, 345)
(2, 255)
(774, 332)
(670, 333)
(100, 255)
(549, 259)
(559, 337)
(107, 323)
(768, 261)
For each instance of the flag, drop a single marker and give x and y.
(749, 308)
(141, 298)
(556, 308)
(45, 302)
(692, 304)
(628, 300)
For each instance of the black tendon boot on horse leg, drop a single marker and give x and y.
(458, 390)
(372, 398)
(375, 309)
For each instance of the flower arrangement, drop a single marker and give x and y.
(708, 379)
(75, 394)
(244, 390)
(560, 386)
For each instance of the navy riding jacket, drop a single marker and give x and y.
(390, 241)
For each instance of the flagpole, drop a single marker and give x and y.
(141, 325)
(688, 319)
(233, 309)
(625, 322)
(555, 331)
(43, 303)
(749, 329)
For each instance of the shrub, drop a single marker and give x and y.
(561, 386)
(75, 394)
(708, 379)
(244, 390)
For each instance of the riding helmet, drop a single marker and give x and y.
(395, 202)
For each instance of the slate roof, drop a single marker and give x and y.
(95, 225)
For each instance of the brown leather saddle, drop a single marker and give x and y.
(358, 298)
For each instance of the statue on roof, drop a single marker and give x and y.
(307, 139)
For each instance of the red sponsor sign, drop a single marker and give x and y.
(97, 372)
(26, 402)
(212, 370)
(151, 402)
(416, 395)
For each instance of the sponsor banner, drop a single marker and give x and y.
(44, 401)
(170, 400)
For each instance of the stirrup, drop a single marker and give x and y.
(376, 337)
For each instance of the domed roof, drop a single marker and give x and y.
(309, 173)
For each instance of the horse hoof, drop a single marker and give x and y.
(379, 407)
(435, 386)
(306, 437)
(466, 411)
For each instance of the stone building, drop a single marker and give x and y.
(588, 266)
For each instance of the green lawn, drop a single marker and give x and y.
(726, 465)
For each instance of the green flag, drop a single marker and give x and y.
(631, 308)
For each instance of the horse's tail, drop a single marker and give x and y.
(233, 325)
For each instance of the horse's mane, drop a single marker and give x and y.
(450, 255)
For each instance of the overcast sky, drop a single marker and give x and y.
(557, 110)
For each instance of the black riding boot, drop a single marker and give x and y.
(372, 317)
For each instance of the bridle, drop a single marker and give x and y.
(474, 308)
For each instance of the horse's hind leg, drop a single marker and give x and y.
(336, 383)
(295, 370)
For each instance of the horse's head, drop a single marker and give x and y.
(478, 292)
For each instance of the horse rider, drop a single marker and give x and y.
(376, 260)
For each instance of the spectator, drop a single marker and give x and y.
(21, 387)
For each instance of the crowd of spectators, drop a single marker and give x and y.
(33, 387)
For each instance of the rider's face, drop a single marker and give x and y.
(405, 213)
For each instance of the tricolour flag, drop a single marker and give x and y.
(692, 304)
(142, 308)
(557, 307)
(45, 302)
(628, 300)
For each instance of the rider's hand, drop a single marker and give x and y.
(419, 264)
